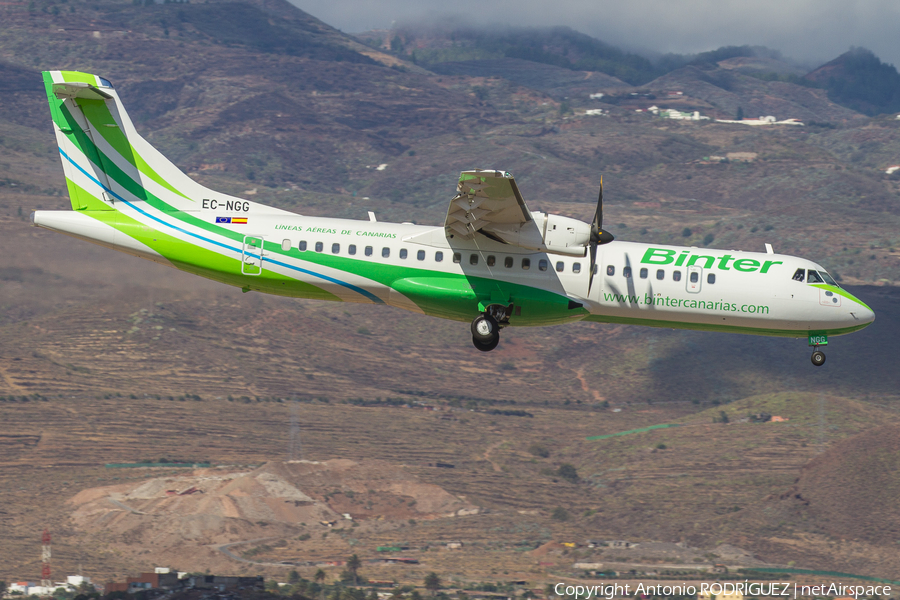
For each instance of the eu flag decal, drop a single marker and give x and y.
(223, 219)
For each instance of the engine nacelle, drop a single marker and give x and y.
(564, 234)
(548, 233)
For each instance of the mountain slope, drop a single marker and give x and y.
(859, 80)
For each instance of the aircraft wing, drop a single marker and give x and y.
(489, 202)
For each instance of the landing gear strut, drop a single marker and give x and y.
(486, 326)
(818, 357)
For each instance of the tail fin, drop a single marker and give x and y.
(104, 158)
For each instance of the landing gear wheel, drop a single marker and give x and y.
(818, 358)
(485, 329)
(486, 346)
(485, 332)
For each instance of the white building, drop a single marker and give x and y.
(599, 95)
(671, 113)
(76, 580)
(769, 120)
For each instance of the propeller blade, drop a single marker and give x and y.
(598, 236)
(593, 250)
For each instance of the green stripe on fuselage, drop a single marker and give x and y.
(840, 292)
(200, 261)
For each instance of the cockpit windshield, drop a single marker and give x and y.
(815, 277)
(828, 279)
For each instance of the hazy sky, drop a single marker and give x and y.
(812, 31)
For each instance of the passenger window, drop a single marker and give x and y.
(526, 264)
(676, 275)
(491, 260)
(438, 256)
(644, 273)
(302, 246)
(402, 252)
(610, 270)
(799, 275)
(711, 278)
(457, 257)
(351, 249)
(420, 255)
(319, 246)
(695, 277)
(660, 274)
(385, 252)
(542, 265)
(285, 245)
(576, 267)
(560, 265)
(813, 277)
(369, 250)
(508, 262)
(473, 259)
(335, 248)
(626, 272)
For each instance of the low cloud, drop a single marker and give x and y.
(810, 31)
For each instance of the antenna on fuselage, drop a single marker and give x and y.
(769, 249)
(372, 217)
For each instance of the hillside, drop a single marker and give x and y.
(859, 80)
(702, 484)
(849, 489)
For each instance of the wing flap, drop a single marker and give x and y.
(485, 199)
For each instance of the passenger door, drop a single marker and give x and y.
(252, 255)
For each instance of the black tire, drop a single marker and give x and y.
(485, 329)
(818, 358)
(486, 346)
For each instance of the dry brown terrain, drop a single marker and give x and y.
(108, 359)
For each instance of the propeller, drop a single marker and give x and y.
(598, 236)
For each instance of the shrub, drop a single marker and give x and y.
(560, 514)
(539, 450)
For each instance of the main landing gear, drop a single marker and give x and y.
(818, 357)
(486, 326)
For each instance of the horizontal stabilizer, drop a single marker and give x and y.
(79, 89)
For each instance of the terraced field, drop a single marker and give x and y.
(711, 482)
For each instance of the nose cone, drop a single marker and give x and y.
(864, 313)
(861, 313)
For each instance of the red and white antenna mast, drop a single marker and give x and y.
(45, 560)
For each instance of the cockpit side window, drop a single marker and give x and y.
(800, 275)
(813, 277)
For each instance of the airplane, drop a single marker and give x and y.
(494, 263)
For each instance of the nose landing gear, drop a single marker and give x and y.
(818, 357)
(486, 326)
